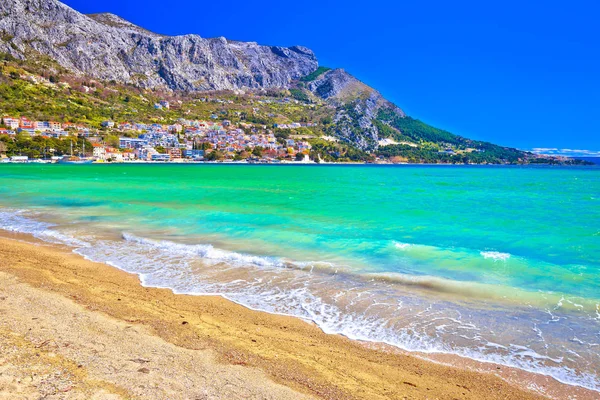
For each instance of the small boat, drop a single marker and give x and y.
(74, 160)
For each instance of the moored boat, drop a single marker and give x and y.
(74, 160)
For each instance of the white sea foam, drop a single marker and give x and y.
(402, 246)
(495, 255)
(16, 221)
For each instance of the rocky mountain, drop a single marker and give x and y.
(357, 106)
(107, 47)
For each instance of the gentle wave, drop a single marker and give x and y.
(205, 251)
(305, 290)
(15, 221)
(470, 290)
(475, 291)
(492, 255)
(216, 255)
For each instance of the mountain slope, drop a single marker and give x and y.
(107, 47)
(357, 106)
(365, 119)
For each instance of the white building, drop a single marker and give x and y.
(11, 123)
(115, 157)
(132, 143)
(99, 153)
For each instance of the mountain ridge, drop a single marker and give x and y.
(108, 47)
(113, 20)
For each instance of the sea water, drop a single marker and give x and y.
(498, 264)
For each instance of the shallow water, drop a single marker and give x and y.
(498, 264)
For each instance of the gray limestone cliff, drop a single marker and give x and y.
(107, 47)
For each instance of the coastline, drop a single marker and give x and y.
(275, 350)
(302, 163)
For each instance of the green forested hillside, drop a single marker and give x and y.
(439, 145)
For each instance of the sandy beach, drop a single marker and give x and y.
(71, 328)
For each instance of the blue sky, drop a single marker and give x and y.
(522, 74)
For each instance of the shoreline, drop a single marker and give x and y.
(299, 163)
(332, 366)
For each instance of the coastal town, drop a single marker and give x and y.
(184, 141)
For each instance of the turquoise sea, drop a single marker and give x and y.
(498, 264)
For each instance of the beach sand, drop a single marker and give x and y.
(71, 328)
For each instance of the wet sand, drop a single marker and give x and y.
(71, 328)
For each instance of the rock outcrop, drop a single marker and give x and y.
(107, 47)
(357, 106)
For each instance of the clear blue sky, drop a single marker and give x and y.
(516, 73)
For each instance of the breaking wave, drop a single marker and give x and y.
(206, 251)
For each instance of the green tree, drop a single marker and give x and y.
(112, 140)
(257, 151)
(215, 155)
